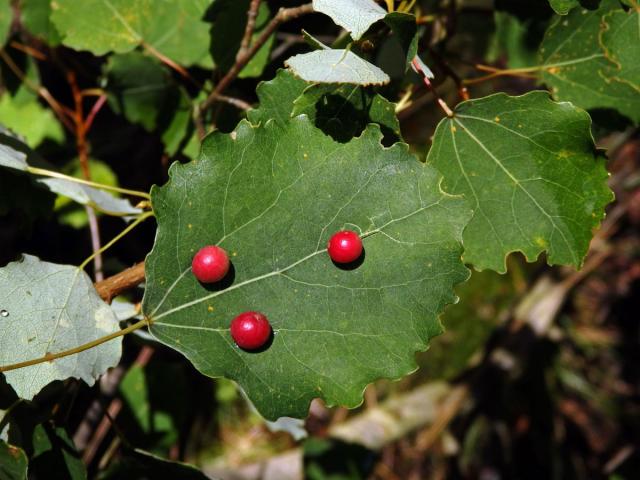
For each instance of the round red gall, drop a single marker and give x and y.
(345, 246)
(210, 264)
(250, 330)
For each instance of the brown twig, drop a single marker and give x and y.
(283, 15)
(252, 13)
(125, 280)
(171, 64)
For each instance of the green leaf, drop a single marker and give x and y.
(355, 16)
(36, 18)
(336, 66)
(343, 111)
(172, 27)
(620, 38)
(272, 196)
(517, 38)
(576, 68)
(6, 18)
(140, 89)
(49, 308)
(530, 168)
(562, 7)
(277, 97)
(13, 462)
(31, 120)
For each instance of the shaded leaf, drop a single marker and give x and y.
(530, 167)
(335, 329)
(404, 27)
(336, 66)
(576, 68)
(172, 27)
(50, 308)
(140, 89)
(138, 464)
(343, 111)
(355, 16)
(13, 462)
(14, 156)
(36, 17)
(54, 451)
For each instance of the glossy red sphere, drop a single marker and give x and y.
(345, 247)
(250, 330)
(210, 264)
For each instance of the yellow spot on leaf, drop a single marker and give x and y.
(210, 308)
(540, 242)
(189, 226)
(453, 128)
(497, 119)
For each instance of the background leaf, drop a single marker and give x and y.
(576, 68)
(172, 27)
(36, 17)
(49, 308)
(30, 119)
(547, 188)
(13, 462)
(321, 314)
(562, 7)
(620, 37)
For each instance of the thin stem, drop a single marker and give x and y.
(50, 173)
(252, 13)
(432, 89)
(37, 54)
(65, 353)
(283, 15)
(171, 64)
(94, 111)
(130, 227)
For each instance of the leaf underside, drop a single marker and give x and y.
(272, 195)
(49, 308)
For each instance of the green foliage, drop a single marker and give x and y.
(355, 16)
(548, 184)
(620, 39)
(30, 120)
(13, 462)
(6, 17)
(172, 27)
(36, 17)
(319, 312)
(577, 69)
(49, 308)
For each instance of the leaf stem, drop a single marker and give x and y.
(65, 353)
(105, 247)
(50, 173)
(431, 88)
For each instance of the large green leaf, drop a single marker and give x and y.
(13, 462)
(138, 464)
(277, 97)
(48, 308)
(530, 167)
(172, 27)
(272, 195)
(620, 38)
(574, 64)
